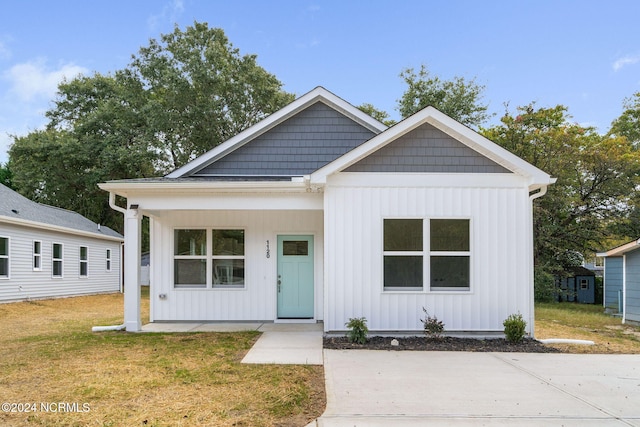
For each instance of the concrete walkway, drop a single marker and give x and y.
(280, 343)
(412, 388)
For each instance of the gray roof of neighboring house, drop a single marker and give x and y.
(14, 205)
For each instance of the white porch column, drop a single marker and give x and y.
(132, 228)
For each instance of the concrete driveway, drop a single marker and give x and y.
(389, 388)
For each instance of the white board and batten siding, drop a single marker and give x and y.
(499, 211)
(26, 283)
(257, 300)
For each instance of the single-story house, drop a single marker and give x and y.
(48, 252)
(319, 213)
(622, 280)
(578, 284)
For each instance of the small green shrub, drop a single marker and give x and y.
(433, 327)
(357, 330)
(514, 328)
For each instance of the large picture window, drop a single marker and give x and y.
(449, 254)
(403, 254)
(205, 258)
(4, 257)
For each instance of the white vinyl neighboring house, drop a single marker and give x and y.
(321, 213)
(48, 252)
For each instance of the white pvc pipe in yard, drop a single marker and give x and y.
(566, 341)
(108, 328)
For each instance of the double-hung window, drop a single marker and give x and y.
(84, 261)
(442, 259)
(403, 254)
(228, 258)
(450, 254)
(190, 258)
(4, 257)
(37, 255)
(208, 258)
(108, 259)
(57, 260)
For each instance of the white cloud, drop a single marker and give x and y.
(626, 60)
(169, 14)
(5, 53)
(33, 80)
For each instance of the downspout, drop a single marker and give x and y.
(122, 327)
(532, 318)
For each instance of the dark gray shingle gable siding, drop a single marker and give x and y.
(298, 146)
(426, 149)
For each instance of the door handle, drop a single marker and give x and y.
(279, 282)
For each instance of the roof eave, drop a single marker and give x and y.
(51, 227)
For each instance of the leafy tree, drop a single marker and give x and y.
(596, 176)
(5, 175)
(179, 97)
(628, 124)
(201, 91)
(457, 98)
(379, 115)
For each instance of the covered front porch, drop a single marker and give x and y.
(221, 256)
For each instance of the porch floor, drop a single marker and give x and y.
(280, 343)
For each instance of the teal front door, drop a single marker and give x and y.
(295, 277)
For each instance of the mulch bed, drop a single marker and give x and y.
(441, 344)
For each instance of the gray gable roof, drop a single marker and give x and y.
(16, 206)
(300, 145)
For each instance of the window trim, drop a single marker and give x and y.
(54, 260)
(209, 257)
(426, 257)
(83, 261)
(439, 289)
(36, 255)
(108, 260)
(422, 253)
(7, 257)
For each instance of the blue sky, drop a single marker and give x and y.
(583, 54)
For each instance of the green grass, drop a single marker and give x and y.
(49, 354)
(587, 322)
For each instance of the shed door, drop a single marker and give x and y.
(295, 277)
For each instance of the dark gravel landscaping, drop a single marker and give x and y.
(440, 344)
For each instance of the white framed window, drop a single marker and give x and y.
(84, 261)
(450, 254)
(403, 252)
(108, 259)
(4, 257)
(209, 258)
(228, 258)
(37, 255)
(57, 260)
(190, 258)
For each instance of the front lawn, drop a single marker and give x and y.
(586, 322)
(58, 373)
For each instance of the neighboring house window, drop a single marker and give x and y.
(108, 259)
(4, 257)
(228, 258)
(84, 261)
(190, 258)
(403, 254)
(37, 255)
(57, 260)
(598, 261)
(449, 254)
